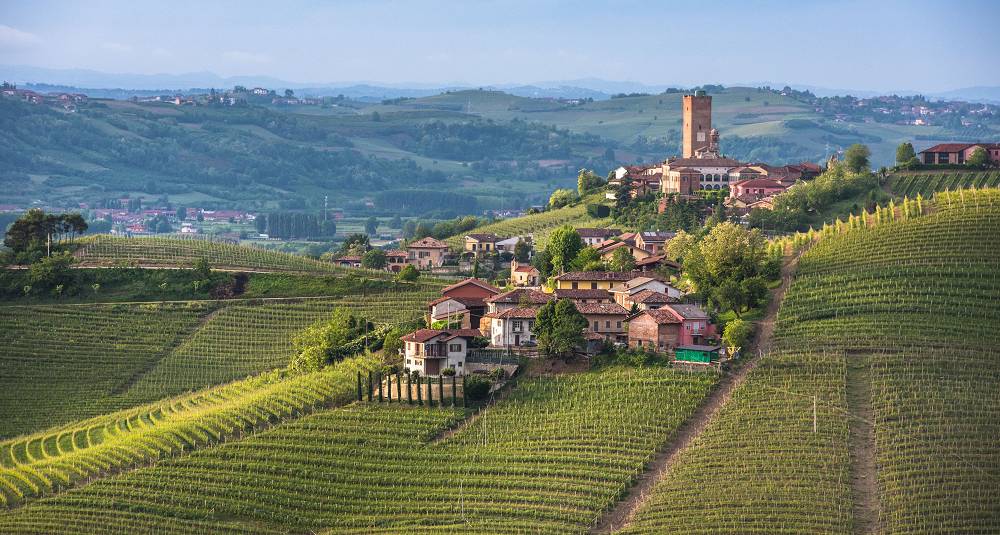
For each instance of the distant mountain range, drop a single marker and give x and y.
(123, 85)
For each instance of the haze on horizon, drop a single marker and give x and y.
(891, 45)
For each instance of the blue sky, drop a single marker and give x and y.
(874, 45)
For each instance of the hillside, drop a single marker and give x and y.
(927, 183)
(885, 336)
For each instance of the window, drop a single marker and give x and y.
(408, 361)
(597, 325)
(455, 348)
(619, 325)
(459, 364)
(607, 324)
(575, 286)
(517, 326)
(593, 286)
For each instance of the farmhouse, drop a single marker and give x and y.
(957, 153)
(523, 274)
(512, 327)
(520, 297)
(592, 280)
(431, 351)
(653, 241)
(456, 312)
(470, 294)
(585, 296)
(426, 253)
(395, 260)
(605, 319)
(623, 293)
(757, 188)
(607, 249)
(481, 244)
(595, 236)
(669, 326)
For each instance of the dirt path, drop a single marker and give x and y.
(619, 516)
(864, 472)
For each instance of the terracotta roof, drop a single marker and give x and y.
(661, 316)
(639, 281)
(586, 232)
(526, 269)
(518, 295)
(649, 296)
(349, 258)
(482, 284)
(423, 335)
(582, 294)
(482, 237)
(618, 276)
(613, 309)
(428, 243)
(397, 252)
(467, 301)
(760, 183)
(513, 313)
(657, 259)
(948, 147)
(656, 235)
(689, 312)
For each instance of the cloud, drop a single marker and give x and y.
(12, 38)
(242, 56)
(117, 48)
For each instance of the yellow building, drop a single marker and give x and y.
(594, 280)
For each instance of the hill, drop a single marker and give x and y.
(927, 183)
(885, 337)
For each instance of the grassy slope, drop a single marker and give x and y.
(911, 305)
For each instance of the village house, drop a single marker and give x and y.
(352, 261)
(656, 262)
(470, 294)
(455, 312)
(519, 297)
(508, 245)
(592, 280)
(426, 253)
(607, 249)
(481, 244)
(512, 327)
(595, 236)
(623, 293)
(653, 241)
(605, 319)
(395, 260)
(665, 328)
(758, 188)
(585, 296)
(523, 274)
(958, 153)
(431, 351)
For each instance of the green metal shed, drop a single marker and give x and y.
(697, 353)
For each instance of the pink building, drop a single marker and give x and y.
(757, 187)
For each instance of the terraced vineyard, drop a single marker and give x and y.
(105, 250)
(52, 460)
(911, 306)
(95, 359)
(547, 459)
(538, 225)
(928, 183)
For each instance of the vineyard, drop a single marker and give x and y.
(53, 460)
(95, 359)
(912, 304)
(538, 225)
(105, 250)
(929, 183)
(550, 458)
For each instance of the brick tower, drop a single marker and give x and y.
(697, 122)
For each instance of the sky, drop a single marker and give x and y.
(871, 45)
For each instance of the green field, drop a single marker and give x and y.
(548, 459)
(927, 183)
(891, 325)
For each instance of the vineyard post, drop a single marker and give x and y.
(371, 386)
(814, 414)
(378, 377)
(399, 388)
(441, 391)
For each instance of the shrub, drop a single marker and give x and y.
(477, 388)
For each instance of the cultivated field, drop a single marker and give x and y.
(538, 225)
(891, 329)
(927, 183)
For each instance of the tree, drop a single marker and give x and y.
(182, 213)
(586, 259)
(317, 345)
(679, 245)
(201, 217)
(564, 244)
(561, 197)
(542, 261)
(202, 269)
(52, 271)
(905, 153)
(35, 230)
(396, 222)
(371, 226)
(587, 181)
(356, 244)
(289, 93)
(408, 273)
(559, 326)
(622, 260)
(522, 251)
(978, 159)
(857, 158)
(736, 334)
(727, 266)
(374, 259)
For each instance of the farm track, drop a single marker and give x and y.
(621, 515)
(864, 470)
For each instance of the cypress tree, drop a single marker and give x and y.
(454, 391)
(399, 388)
(409, 389)
(370, 387)
(440, 391)
(378, 377)
(420, 392)
(359, 386)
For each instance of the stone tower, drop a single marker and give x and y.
(697, 123)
